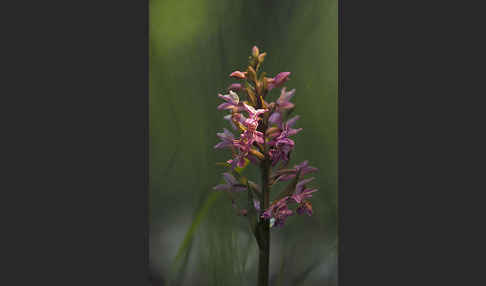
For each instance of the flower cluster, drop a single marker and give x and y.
(264, 139)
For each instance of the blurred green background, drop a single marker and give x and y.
(194, 45)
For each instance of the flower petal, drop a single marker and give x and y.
(220, 187)
(229, 179)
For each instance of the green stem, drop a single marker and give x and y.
(264, 229)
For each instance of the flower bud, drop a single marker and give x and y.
(255, 52)
(281, 78)
(257, 154)
(252, 74)
(261, 57)
(235, 87)
(238, 74)
(251, 96)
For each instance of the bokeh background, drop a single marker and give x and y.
(195, 238)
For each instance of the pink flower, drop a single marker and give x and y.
(252, 112)
(278, 80)
(283, 102)
(287, 127)
(232, 101)
(251, 123)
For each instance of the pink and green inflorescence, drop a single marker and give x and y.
(264, 138)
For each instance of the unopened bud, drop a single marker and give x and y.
(235, 87)
(261, 57)
(255, 52)
(252, 74)
(257, 154)
(238, 74)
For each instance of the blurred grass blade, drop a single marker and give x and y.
(200, 215)
(182, 272)
(281, 274)
(300, 278)
(213, 196)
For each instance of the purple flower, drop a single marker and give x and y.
(282, 145)
(232, 101)
(226, 139)
(281, 150)
(237, 161)
(287, 127)
(258, 140)
(305, 207)
(283, 101)
(278, 80)
(268, 213)
(282, 215)
(303, 167)
(278, 211)
(232, 185)
(275, 118)
(301, 193)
